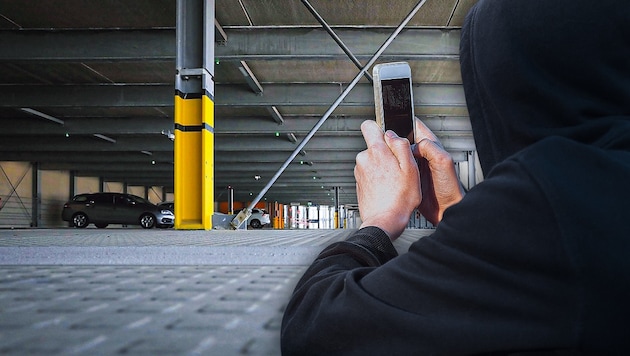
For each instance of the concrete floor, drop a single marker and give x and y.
(166, 292)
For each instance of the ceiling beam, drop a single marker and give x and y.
(251, 43)
(161, 95)
(90, 125)
(223, 125)
(224, 144)
(262, 43)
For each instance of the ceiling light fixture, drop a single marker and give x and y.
(275, 114)
(250, 78)
(105, 138)
(148, 153)
(43, 116)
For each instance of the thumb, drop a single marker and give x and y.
(372, 133)
(429, 150)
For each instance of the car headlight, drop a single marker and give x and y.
(167, 212)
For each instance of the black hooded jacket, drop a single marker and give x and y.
(537, 257)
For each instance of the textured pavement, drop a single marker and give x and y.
(166, 292)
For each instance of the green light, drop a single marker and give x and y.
(216, 61)
(277, 134)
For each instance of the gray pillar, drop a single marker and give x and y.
(336, 207)
(35, 190)
(471, 169)
(72, 189)
(230, 199)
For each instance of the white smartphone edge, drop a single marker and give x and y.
(385, 71)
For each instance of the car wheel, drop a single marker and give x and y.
(101, 226)
(80, 220)
(147, 221)
(255, 224)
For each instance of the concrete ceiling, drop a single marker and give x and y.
(107, 67)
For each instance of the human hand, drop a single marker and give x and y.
(441, 187)
(388, 182)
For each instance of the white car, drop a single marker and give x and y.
(258, 219)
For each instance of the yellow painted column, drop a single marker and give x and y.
(188, 162)
(207, 158)
(194, 115)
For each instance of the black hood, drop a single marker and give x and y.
(538, 68)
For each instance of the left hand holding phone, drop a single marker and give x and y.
(388, 181)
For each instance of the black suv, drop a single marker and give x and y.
(103, 209)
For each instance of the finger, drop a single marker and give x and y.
(400, 148)
(423, 132)
(372, 133)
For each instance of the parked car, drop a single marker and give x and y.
(102, 209)
(258, 219)
(168, 205)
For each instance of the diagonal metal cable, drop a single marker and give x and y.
(336, 38)
(242, 216)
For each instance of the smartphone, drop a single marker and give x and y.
(393, 98)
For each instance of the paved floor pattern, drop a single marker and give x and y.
(152, 310)
(180, 303)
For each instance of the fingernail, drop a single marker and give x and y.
(391, 134)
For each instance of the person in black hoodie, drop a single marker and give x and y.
(536, 258)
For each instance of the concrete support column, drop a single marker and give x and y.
(230, 199)
(36, 192)
(194, 115)
(72, 188)
(336, 207)
(471, 170)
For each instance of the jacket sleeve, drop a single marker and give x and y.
(494, 277)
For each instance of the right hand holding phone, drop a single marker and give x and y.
(441, 187)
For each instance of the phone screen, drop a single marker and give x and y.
(397, 107)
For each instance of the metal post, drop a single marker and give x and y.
(242, 216)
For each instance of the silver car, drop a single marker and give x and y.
(102, 209)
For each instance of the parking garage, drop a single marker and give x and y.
(229, 109)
